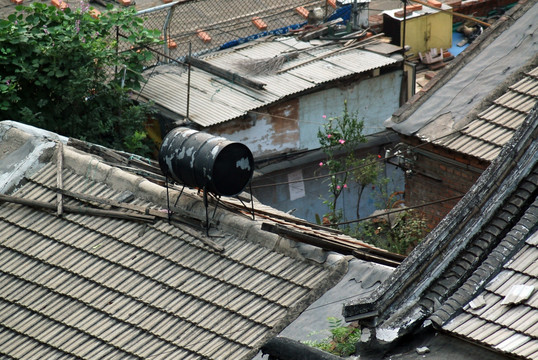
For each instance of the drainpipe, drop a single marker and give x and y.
(166, 33)
(403, 87)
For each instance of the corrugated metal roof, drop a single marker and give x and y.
(215, 100)
(484, 136)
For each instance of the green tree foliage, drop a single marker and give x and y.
(397, 229)
(365, 172)
(398, 232)
(57, 72)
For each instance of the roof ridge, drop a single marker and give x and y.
(486, 269)
(397, 298)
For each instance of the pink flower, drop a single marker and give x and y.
(329, 136)
(342, 141)
(321, 163)
(337, 187)
(379, 156)
(345, 186)
(324, 116)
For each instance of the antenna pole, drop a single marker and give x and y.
(189, 82)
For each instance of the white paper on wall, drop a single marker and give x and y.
(296, 184)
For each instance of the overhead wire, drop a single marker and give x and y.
(381, 159)
(321, 123)
(393, 211)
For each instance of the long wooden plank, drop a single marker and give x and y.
(78, 209)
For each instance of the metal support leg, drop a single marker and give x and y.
(169, 213)
(206, 212)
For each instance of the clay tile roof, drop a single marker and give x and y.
(103, 281)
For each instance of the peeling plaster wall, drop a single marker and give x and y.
(373, 99)
(293, 124)
(267, 131)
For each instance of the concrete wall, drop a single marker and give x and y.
(373, 100)
(307, 197)
(293, 125)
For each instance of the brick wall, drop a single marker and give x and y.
(436, 174)
(476, 8)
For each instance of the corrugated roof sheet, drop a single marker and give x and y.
(81, 286)
(215, 100)
(484, 136)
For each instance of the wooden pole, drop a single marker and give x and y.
(59, 179)
(467, 17)
(78, 209)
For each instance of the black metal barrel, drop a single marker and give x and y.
(201, 160)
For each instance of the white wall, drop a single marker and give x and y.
(374, 100)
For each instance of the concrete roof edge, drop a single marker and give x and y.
(26, 148)
(239, 225)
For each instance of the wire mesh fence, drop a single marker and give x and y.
(195, 27)
(199, 26)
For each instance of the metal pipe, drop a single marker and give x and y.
(156, 8)
(167, 33)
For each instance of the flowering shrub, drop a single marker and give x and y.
(338, 139)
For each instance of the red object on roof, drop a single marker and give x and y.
(259, 23)
(415, 7)
(203, 35)
(94, 13)
(302, 11)
(59, 4)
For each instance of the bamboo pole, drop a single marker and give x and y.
(467, 17)
(341, 49)
(59, 179)
(78, 209)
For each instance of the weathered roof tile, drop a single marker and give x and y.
(86, 286)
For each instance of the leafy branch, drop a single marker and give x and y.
(342, 340)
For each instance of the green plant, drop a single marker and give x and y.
(365, 172)
(338, 139)
(396, 229)
(57, 72)
(342, 340)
